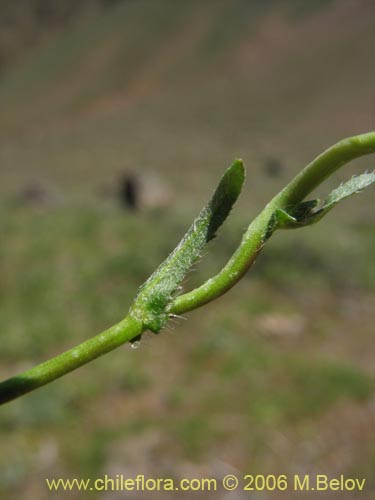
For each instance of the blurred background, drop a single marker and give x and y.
(117, 118)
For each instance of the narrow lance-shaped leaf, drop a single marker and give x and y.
(157, 292)
(307, 213)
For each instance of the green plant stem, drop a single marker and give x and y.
(255, 236)
(252, 242)
(69, 360)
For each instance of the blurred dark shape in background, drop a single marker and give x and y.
(140, 190)
(37, 193)
(273, 167)
(129, 191)
(34, 194)
(144, 191)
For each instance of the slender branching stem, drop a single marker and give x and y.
(255, 236)
(134, 324)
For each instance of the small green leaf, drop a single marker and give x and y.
(353, 186)
(283, 218)
(307, 213)
(157, 292)
(304, 209)
(279, 219)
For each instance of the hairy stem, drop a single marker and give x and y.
(252, 242)
(254, 238)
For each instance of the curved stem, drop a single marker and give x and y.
(252, 242)
(325, 165)
(255, 236)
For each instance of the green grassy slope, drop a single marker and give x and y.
(192, 84)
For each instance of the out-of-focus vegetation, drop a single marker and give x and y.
(276, 376)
